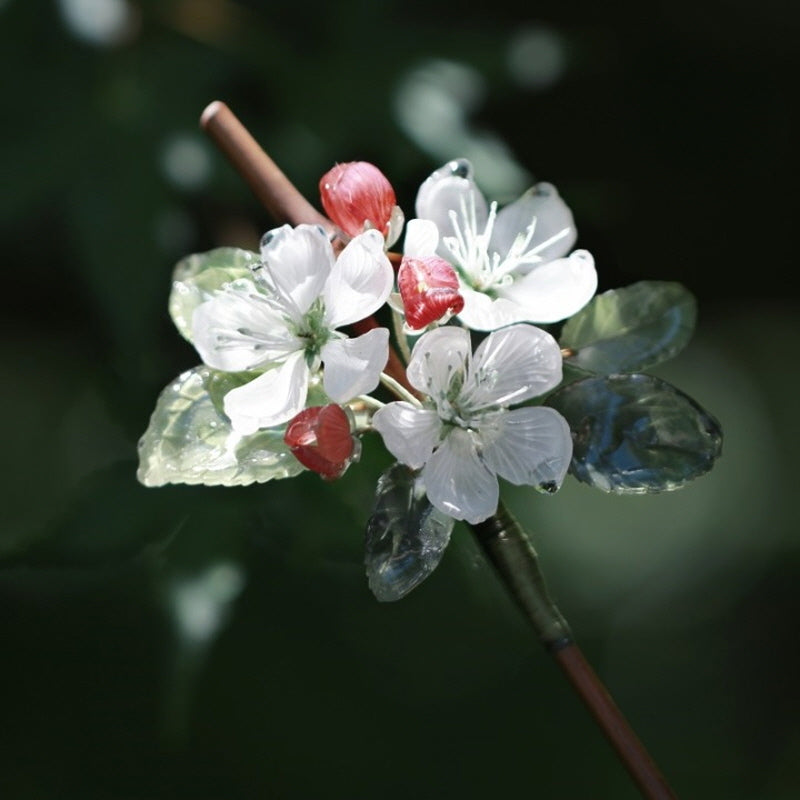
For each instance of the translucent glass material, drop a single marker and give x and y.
(199, 275)
(543, 207)
(632, 328)
(635, 434)
(190, 441)
(406, 536)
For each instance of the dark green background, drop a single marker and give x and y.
(667, 128)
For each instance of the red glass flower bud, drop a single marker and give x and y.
(429, 289)
(356, 193)
(321, 440)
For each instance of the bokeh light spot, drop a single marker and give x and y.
(104, 23)
(186, 162)
(432, 104)
(201, 603)
(536, 57)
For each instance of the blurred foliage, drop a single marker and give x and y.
(223, 643)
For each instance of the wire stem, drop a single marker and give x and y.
(400, 391)
(368, 402)
(400, 335)
(510, 551)
(276, 192)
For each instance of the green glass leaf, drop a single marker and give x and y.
(189, 440)
(570, 374)
(636, 434)
(197, 276)
(406, 536)
(629, 329)
(218, 384)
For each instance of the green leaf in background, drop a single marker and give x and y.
(189, 440)
(197, 276)
(636, 434)
(406, 536)
(629, 329)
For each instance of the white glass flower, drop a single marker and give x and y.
(285, 322)
(512, 264)
(466, 436)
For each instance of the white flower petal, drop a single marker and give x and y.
(395, 228)
(458, 482)
(354, 366)
(542, 203)
(298, 261)
(271, 399)
(422, 238)
(451, 188)
(395, 302)
(555, 290)
(437, 357)
(409, 433)
(237, 329)
(530, 446)
(483, 313)
(512, 365)
(360, 281)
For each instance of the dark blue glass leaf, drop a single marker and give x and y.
(635, 434)
(406, 535)
(632, 328)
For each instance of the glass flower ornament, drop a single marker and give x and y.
(514, 264)
(283, 324)
(466, 436)
(283, 388)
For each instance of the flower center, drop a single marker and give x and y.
(481, 269)
(449, 402)
(313, 331)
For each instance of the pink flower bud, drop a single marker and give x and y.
(356, 193)
(321, 440)
(429, 289)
